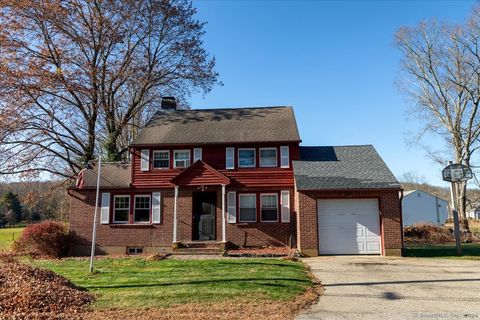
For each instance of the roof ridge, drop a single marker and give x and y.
(230, 108)
(339, 146)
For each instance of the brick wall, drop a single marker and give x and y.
(115, 238)
(390, 218)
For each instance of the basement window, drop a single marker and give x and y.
(134, 250)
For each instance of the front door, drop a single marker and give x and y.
(204, 205)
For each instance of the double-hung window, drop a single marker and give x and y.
(268, 157)
(247, 204)
(181, 158)
(161, 159)
(121, 209)
(269, 207)
(246, 158)
(141, 211)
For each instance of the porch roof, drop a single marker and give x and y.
(200, 174)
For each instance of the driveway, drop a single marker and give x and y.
(360, 287)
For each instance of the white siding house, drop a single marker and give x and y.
(422, 207)
(474, 213)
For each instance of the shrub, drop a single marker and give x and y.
(48, 238)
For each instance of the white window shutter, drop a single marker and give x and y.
(230, 158)
(232, 207)
(145, 160)
(156, 207)
(105, 208)
(284, 157)
(197, 154)
(285, 205)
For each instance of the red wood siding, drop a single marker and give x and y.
(214, 155)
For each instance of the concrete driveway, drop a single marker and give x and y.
(360, 287)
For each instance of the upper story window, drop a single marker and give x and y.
(161, 159)
(268, 157)
(246, 158)
(121, 209)
(141, 211)
(181, 158)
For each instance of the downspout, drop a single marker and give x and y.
(401, 220)
(436, 207)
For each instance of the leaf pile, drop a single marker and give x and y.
(31, 293)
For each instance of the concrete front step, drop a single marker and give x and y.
(202, 244)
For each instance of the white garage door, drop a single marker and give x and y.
(348, 226)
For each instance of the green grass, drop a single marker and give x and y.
(8, 235)
(136, 283)
(469, 251)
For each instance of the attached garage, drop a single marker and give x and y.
(348, 202)
(348, 226)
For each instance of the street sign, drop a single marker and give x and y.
(457, 172)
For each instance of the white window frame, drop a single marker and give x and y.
(153, 159)
(175, 160)
(129, 206)
(149, 208)
(240, 195)
(285, 158)
(261, 206)
(276, 158)
(254, 157)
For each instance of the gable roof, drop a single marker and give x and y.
(345, 167)
(200, 174)
(200, 126)
(410, 192)
(113, 175)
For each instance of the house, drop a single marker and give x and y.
(473, 212)
(239, 177)
(422, 207)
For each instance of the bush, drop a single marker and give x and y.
(48, 238)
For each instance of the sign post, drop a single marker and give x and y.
(454, 173)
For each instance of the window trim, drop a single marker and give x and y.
(189, 158)
(153, 159)
(149, 196)
(239, 208)
(277, 203)
(254, 157)
(260, 157)
(129, 208)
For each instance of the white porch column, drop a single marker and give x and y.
(224, 227)
(175, 215)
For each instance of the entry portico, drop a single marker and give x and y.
(200, 176)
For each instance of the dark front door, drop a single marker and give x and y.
(204, 204)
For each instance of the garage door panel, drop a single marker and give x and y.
(348, 226)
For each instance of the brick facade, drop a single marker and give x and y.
(115, 238)
(390, 219)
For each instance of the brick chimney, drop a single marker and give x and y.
(169, 103)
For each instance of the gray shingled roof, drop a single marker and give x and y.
(346, 167)
(113, 175)
(266, 124)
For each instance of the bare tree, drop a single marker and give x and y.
(411, 177)
(76, 70)
(441, 75)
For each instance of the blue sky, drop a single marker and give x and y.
(334, 62)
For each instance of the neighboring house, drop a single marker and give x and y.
(422, 207)
(474, 213)
(239, 176)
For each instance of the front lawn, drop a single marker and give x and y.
(469, 250)
(8, 235)
(137, 283)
